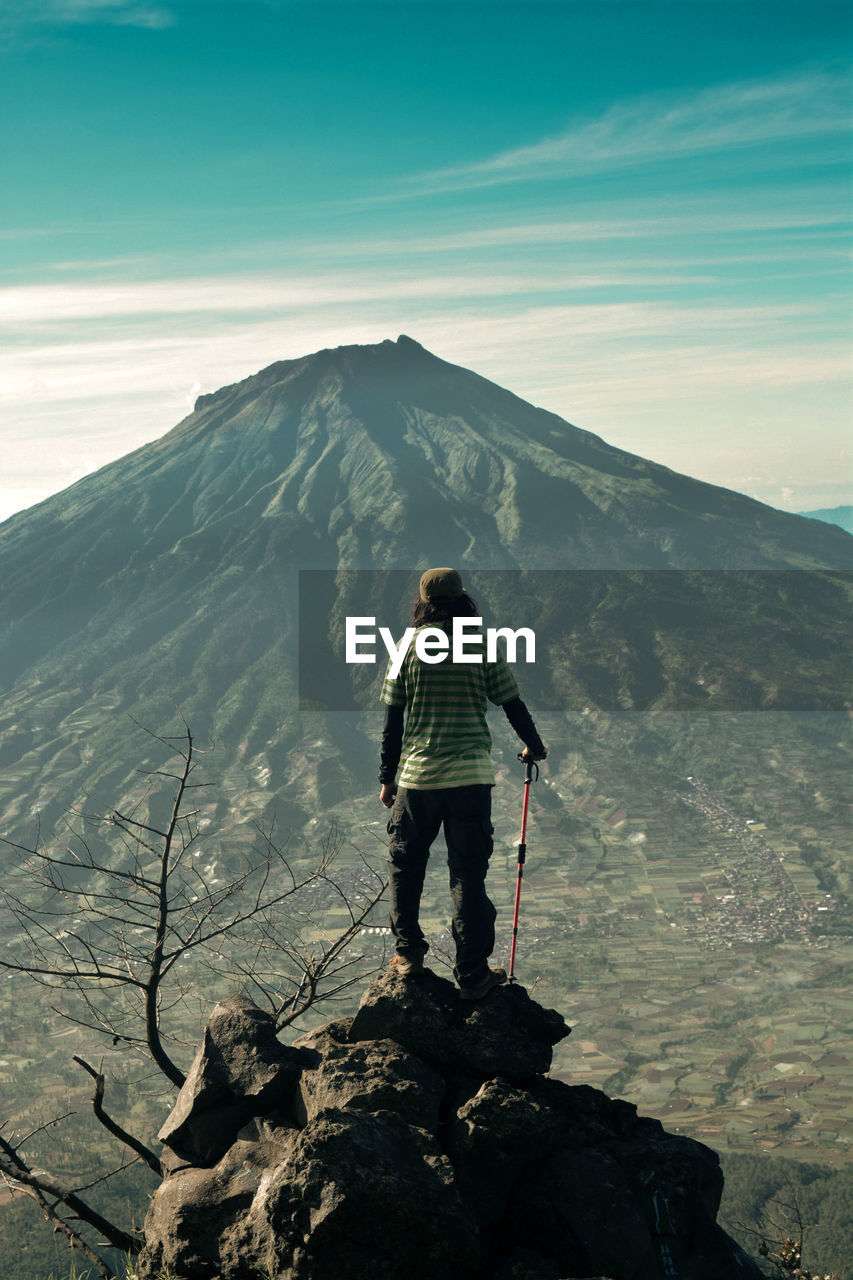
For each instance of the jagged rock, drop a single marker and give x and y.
(420, 1143)
(197, 1212)
(496, 1136)
(375, 1075)
(365, 1195)
(506, 1034)
(568, 1207)
(240, 1070)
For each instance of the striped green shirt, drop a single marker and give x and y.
(447, 741)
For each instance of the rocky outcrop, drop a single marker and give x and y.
(240, 1070)
(422, 1138)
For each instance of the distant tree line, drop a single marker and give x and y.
(764, 1196)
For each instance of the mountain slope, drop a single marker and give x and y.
(841, 516)
(171, 575)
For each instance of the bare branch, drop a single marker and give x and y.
(16, 1169)
(59, 1224)
(42, 1128)
(115, 1129)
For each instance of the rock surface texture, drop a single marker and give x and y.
(422, 1139)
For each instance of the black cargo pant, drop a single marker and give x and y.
(416, 818)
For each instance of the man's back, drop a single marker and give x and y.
(447, 741)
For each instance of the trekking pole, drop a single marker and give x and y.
(530, 765)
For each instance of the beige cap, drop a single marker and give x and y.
(441, 584)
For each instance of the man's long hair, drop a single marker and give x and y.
(436, 613)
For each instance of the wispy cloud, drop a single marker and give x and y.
(575, 354)
(650, 129)
(23, 306)
(713, 219)
(17, 16)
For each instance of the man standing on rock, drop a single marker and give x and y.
(436, 735)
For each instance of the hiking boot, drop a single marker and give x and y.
(476, 990)
(408, 965)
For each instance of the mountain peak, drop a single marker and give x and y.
(385, 450)
(348, 356)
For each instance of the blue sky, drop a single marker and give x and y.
(635, 214)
